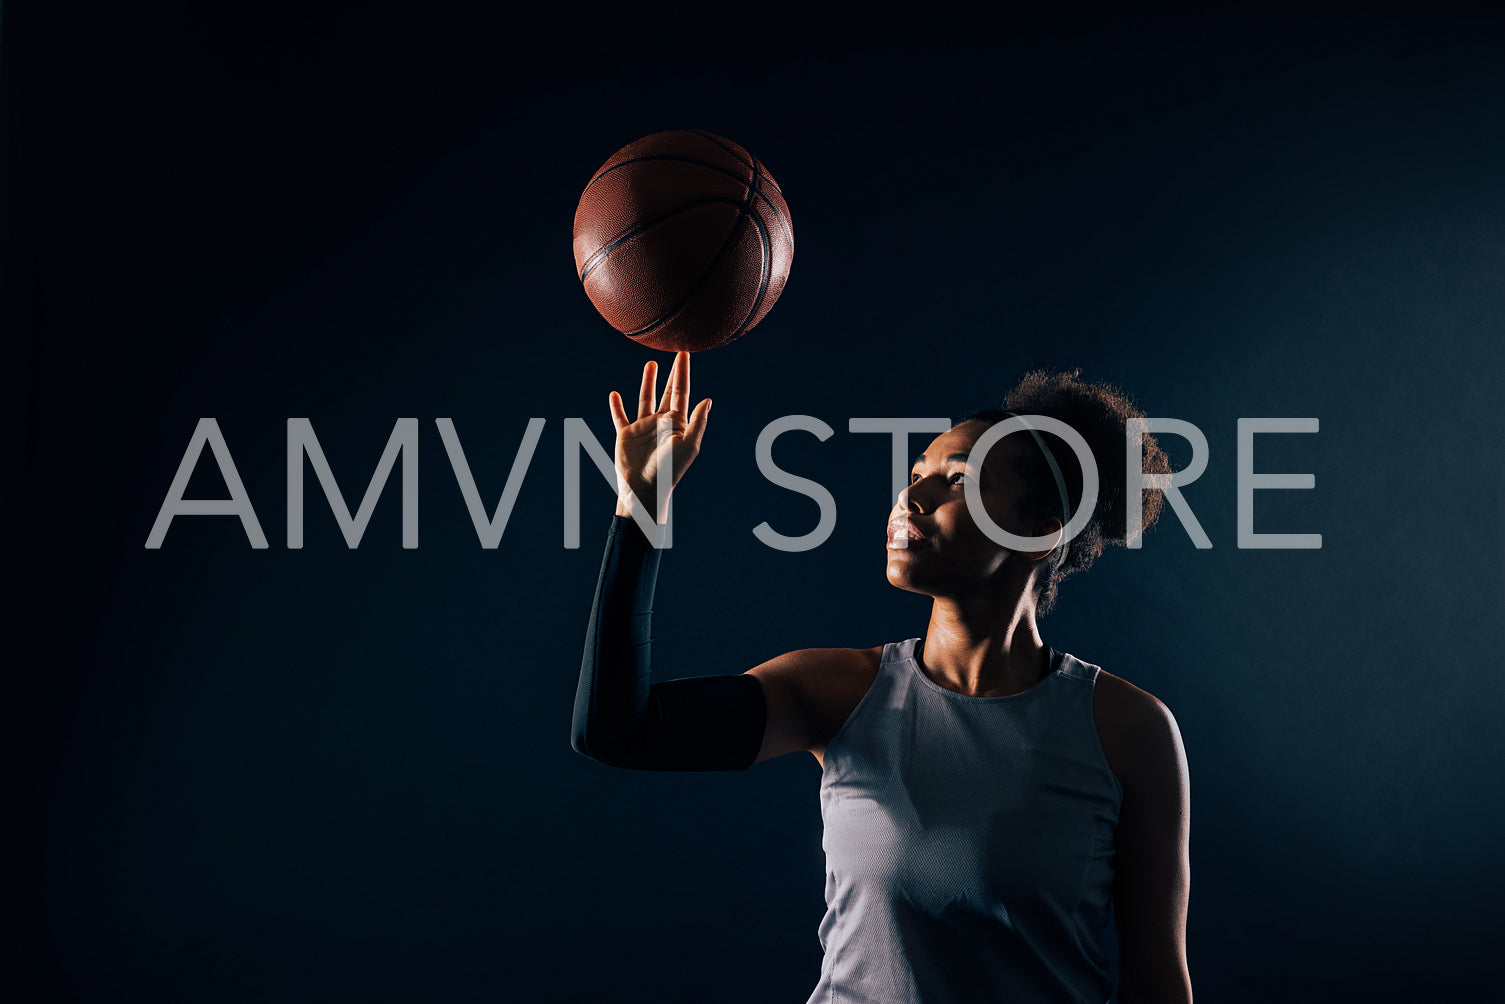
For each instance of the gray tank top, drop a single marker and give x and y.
(969, 842)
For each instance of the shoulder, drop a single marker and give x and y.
(1140, 737)
(815, 675)
(806, 659)
(815, 689)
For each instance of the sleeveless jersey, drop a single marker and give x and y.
(969, 843)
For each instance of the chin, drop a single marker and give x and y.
(899, 579)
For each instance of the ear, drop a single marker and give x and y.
(1049, 525)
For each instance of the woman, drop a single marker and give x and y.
(985, 798)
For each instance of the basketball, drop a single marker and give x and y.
(683, 241)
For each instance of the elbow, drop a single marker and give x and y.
(587, 742)
(588, 738)
(578, 742)
(604, 748)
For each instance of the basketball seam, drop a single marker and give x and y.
(723, 146)
(763, 278)
(631, 232)
(783, 224)
(777, 213)
(764, 274)
(758, 172)
(684, 301)
(756, 165)
(757, 169)
(745, 213)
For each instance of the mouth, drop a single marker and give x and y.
(902, 535)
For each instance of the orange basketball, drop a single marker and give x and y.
(683, 240)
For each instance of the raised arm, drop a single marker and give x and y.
(621, 717)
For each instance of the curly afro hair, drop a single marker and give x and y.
(1099, 413)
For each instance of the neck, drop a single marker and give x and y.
(978, 648)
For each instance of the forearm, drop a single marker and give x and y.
(621, 717)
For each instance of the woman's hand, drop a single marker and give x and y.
(664, 436)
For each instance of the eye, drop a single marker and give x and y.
(951, 479)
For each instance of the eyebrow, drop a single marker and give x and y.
(955, 456)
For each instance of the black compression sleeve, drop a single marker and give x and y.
(621, 718)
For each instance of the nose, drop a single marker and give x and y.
(911, 500)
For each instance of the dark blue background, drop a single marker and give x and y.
(344, 774)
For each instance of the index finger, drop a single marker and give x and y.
(618, 413)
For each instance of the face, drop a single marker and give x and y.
(953, 554)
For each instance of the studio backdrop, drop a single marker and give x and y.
(324, 753)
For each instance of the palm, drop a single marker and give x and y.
(640, 447)
(663, 438)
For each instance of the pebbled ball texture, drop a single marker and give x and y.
(683, 240)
